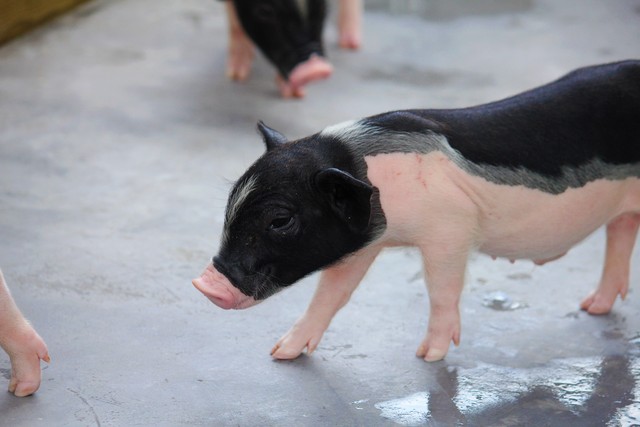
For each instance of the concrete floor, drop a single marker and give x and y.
(119, 135)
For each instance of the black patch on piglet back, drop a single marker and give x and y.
(403, 121)
(582, 127)
(591, 113)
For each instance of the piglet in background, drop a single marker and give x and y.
(527, 177)
(23, 345)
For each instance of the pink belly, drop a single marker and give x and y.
(535, 225)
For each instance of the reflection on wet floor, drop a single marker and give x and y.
(412, 410)
(572, 391)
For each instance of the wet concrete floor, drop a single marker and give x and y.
(119, 137)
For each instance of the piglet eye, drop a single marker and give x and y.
(281, 223)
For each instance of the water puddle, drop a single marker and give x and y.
(519, 276)
(500, 301)
(412, 410)
(571, 382)
(630, 414)
(358, 404)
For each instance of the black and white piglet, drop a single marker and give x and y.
(527, 177)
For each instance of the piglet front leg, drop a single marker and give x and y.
(445, 265)
(336, 285)
(23, 345)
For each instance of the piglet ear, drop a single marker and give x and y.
(347, 196)
(271, 137)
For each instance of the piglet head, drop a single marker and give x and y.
(297, 209)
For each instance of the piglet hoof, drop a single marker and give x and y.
(304, 334)
(434, 349)
(602, 299)
(431, 353)
(436, 345)
(281, 352)
(598, 302)
(287, 90)
(313, 69)
(290, 346)
(25, 359)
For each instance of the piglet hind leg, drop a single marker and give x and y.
(314, 68)
(240, 51)
(621, 237)
(336, 285)
(350, 23)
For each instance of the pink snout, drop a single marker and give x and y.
(215, 286)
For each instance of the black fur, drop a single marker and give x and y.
(306, 212)
(286, 35)
(591, 113)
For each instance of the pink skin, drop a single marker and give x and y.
(336, 285)
(350, 24)
(23, 345)
(544, 261)
(313, 69)
(621, 237)
(467, 212)
(215, 286)
(241, 51)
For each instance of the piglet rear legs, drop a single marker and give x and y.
(337, 283)
(350, 23)
(621, 237)
(314, 68)
(240, 51)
